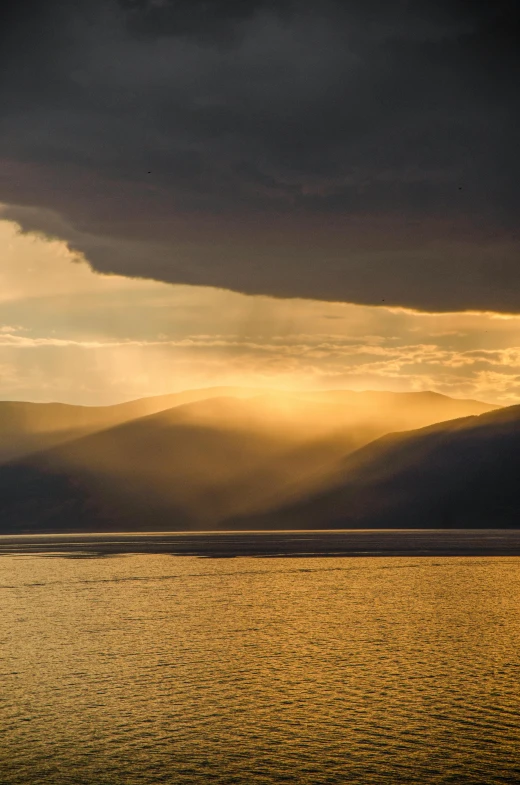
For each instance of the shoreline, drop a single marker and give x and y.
(271, 544)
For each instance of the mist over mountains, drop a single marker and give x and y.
(458, 474)
(244, 458)
(30, 427)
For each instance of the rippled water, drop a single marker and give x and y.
(167, 669)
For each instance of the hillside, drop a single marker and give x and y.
(29, 427)
(462, 473)
(196, 465)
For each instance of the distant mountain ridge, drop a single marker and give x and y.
(463, 474)
(203, 463)
(27, 427)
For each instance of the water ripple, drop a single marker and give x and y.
(131, 671)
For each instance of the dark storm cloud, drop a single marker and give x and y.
(363, 151)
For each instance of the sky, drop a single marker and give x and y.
(271, 192)
(72, 335)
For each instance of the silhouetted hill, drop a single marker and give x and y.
(197, 464)
(462, 473)
(29, 427)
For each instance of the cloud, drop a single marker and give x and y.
(72, 335)
(355, 151)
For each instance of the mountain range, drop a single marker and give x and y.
(255, 459)
(459, 474)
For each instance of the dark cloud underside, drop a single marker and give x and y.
(362, 151)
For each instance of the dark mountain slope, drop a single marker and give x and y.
(197, 464)
(187, 467)
(463, 473)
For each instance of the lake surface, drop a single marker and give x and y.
(158, 668)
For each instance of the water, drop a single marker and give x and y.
(153, 668)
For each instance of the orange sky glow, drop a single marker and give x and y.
(69, 334)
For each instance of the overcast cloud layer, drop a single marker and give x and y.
(358, 151)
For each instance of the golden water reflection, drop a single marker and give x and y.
(153, 668)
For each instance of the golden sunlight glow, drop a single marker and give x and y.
(69, 334)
